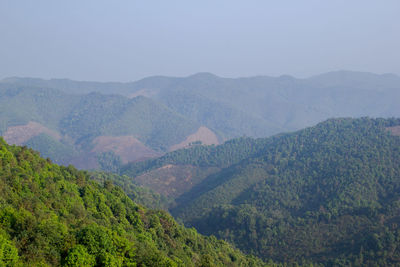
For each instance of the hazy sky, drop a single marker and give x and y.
(128, 40)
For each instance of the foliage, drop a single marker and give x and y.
(49, 147)
(139, 194)
(231, 152)
(254, 106)
(228, 120)
(81, 118)
(21, 104)
(8, 252)
(328, 194)
(174, 108)
(109, 162)
(113, 115)
(55, 215)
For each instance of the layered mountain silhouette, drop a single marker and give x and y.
(158, 114)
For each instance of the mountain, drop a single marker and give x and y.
(115, 123)
(52, 215)
(361, 80)
(70, 86)
(283, 103)
(94, 129)
(177, 172)
(328, 194)
(255, 106)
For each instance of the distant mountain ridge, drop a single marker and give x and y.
(81, 128)
(257, 106)
(268, 104)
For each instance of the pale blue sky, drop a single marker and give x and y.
(128, 40)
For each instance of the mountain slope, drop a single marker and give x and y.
(329, 194)
(325, 193)
(286, 103)
(177, 172)
(165, 111)
(20, 105)
(102, 115)
(52, 215)
(86, 126)
(256, 106)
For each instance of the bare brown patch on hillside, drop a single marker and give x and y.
(395, 130)
(18, 135)
(203, 134)
(174, 180)
(127, 147)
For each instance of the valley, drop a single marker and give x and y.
(328, 193)
(199, 133)
(258, 170)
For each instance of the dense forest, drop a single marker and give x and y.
(232, 151)
(52, 215)
(67, 127)
(328, 193)
(199, 133)
(256, 106)
(160, 112)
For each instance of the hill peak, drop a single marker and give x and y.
(203, 75)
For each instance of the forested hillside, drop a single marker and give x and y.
(177, 172)
(52, 215)
(255, 106)
(221, 156)
(80, 129)
(116, 123)
(329, 193)
(324, 194)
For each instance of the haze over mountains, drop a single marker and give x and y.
(327, 194)
(199, 133)
(124, 122)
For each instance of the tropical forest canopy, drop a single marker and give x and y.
(329, 193)
(52, 215)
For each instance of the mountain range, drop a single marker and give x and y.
(328, 194)
(52, 215)
(225, 156)
(102, 125)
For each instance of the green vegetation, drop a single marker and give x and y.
(328, 194)
(51, 148)
(227, 120)
(80, 119)
(109, 162)
(169, 109)
(190, 167)
(139, 194)
(112, 115)
(52, 215)
(231, 152)
(21, 104)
